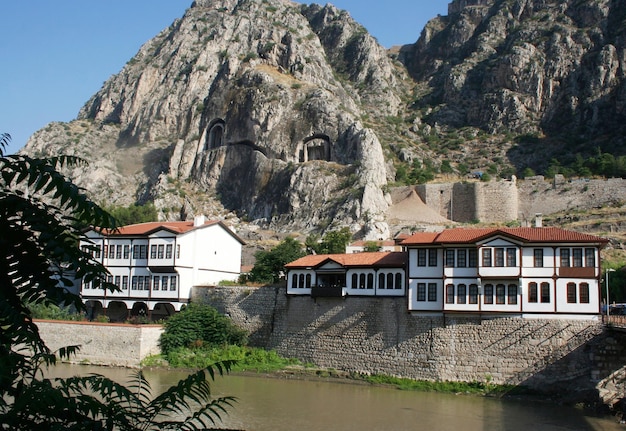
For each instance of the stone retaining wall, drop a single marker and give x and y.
(378, 335)
(103, 343)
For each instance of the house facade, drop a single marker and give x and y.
(355, 274)
(155, 265)
(530, 271)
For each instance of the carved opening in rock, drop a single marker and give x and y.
(251, 145)
(316, 147)
(215, 137)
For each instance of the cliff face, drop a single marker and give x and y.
(257, 104)
(526, 66)
(293, 116)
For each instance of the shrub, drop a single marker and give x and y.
(198, 326)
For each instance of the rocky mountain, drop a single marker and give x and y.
(553, 69)
(293, 117)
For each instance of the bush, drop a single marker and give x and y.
(200, 326)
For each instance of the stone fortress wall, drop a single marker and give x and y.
(502, 201)
(378, 335)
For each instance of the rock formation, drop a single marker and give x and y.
(293, 117)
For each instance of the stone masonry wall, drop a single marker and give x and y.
(103, 343)
(378, 335)
(501, 201)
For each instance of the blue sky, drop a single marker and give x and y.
(57, 54)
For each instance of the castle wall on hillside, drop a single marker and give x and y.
(467, 202)
(503, 201)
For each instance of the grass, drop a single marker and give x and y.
(268, 361)
(248, 359)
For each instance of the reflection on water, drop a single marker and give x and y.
(267, 404)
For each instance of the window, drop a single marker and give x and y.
(538, 257)
(421, 292)
(398, 280)
(173, 282)
(512, 294)
(499, 259)
(584, 293)
(450, 294)
(361, 281)
(177, 251)
(532, 292)
(545, 293)
(135, 252)
(565, 257)
(355, 281)
(117, 280)
(164, 281)
(125, 282)
(590, 257)
(389, 281)
(301, 280)
(143, 251)
(98, 249)
(432, 257)
(160, 250)
(126, 251)
(381, 281)
(308, 281)
(156, 279)
(461, 258)
(112, 252)
(461, 294)
(486, 257)
(105, 250)
(133, 284)
(488, 296)
(432, 292)
(500, 293)
(511, 257)
(571, 293)
(139, 283)
(577, 257)
(153, 251)
(450, 258)
(472, 258)
(168, 251)
(118, 252)
(370, 281)
(421, 257)
(473, 294)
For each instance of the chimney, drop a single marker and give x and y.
(198, 221)
(538, 220)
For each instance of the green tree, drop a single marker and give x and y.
(270, 265)
(133, 214)
(200, 325)
(40, 211)
(334, 242)
(371, 246)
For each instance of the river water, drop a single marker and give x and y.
(271, 404)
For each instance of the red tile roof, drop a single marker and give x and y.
(524, 234)
(150, 227)
(385, 243)
(378, 259)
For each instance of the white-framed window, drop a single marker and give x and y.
(538, 257)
